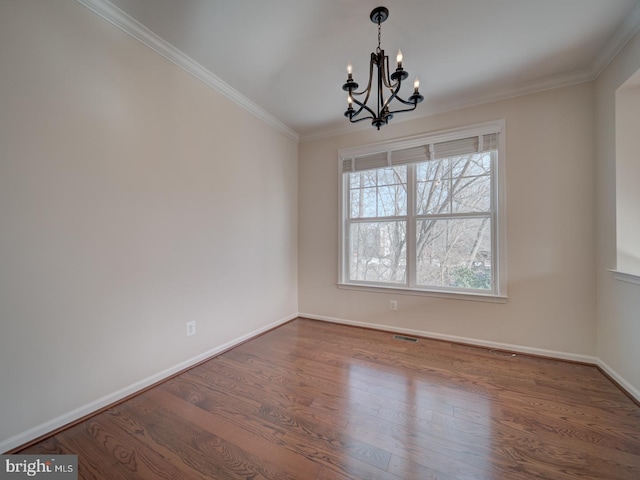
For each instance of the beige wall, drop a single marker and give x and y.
(618, 312)
(133, 198)
(550, 164)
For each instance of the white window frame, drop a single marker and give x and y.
(498, 215)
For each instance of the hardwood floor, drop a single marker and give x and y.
(317, 401)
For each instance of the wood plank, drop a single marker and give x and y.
(313, 400)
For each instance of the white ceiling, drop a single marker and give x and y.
(289, 57)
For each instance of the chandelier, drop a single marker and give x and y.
(387, 85)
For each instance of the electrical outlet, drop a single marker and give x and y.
(393, 305)
(191, 328)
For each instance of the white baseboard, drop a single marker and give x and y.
(574, 357)
(67, 418)
(630, 389)
(92, 407)
(596, 361)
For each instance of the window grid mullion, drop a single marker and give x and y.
(453, 216)
(495, 277)
(411, 226)
(378, 219)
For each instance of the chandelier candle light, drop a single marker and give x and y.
(392, 83)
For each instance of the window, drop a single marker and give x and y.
(424, 214)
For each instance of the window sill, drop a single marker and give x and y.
(626, 276)
(473, 297)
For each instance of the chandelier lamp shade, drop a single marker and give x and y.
(388, 86)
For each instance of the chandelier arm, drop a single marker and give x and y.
(366, 98)
(394, 95)
(367, 89)
(362, 106)
(413, 107)
(384, 65)
(380, 71)
(407, 102)
(352, 120)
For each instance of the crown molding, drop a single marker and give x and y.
(115, 16)
(625, 32)
(135, 29)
